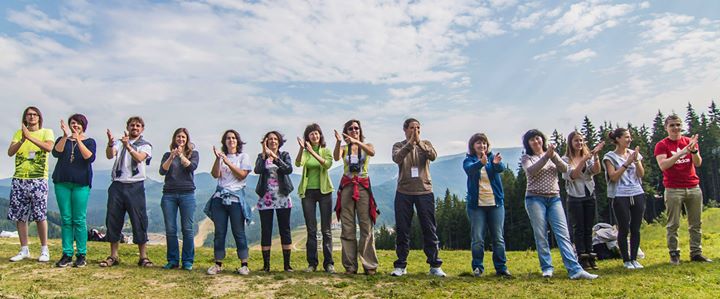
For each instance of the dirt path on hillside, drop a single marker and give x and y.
(205, 227)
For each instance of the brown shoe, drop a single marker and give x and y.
(370, 271)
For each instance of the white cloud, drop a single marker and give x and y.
(10, 54)
(502, 4)
(665, 27)
(678, 43)
(584, 20)
(583, 55)
(545, 56)
(405, 92)
(461, 82)
(36, 20)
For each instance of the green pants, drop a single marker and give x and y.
(72, 201)
(692, 199)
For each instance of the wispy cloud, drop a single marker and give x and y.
(36, 20)
(405, 92)
(584, 20)
(583, 55)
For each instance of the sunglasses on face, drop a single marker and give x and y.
(353, 129)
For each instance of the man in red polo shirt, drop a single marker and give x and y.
(678, 156)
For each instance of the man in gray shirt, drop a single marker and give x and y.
(413, 157)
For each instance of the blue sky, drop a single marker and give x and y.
(460, 66)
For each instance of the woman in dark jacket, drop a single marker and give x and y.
(485, 203)
(273, 189)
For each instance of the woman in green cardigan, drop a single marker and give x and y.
(316, 189)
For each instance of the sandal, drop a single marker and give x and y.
(109, 262)
(145, 262)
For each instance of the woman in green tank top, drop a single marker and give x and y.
(315, 189)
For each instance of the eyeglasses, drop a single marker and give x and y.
(353, 129)
(32, 115)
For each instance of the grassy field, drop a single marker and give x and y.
(30, 279)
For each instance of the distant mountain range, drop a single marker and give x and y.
(446, 173)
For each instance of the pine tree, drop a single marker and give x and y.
(653, 172)
(588, 130)
(714, 114)
(711, 153)
(692, 120)
(385, 239)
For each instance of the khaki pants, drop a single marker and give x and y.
(675, 198)
(351, 248)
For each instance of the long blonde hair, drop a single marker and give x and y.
(570, 150)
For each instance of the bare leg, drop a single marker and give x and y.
(143, 250)
(22, 232)
(114, 249)
(42, 228)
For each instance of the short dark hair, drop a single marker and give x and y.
(281, 138)
(80, 119)
(474, 139)
(314, 127)
(617, 133)
(349, 123)
(240, 143)
(135, 119)
(672, 117)
(530, 135)
(40, 118)
(408, 121)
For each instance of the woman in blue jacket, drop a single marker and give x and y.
(485, 203)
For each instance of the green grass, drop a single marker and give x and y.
(30, 279)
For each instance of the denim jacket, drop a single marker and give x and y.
(472, 165)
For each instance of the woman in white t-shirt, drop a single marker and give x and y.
(231, 167)
(624, 172)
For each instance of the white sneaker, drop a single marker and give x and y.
(629, 265)
(437, 272)
(583, 275)
(330, 269)
(20, 256)
(214, 269)
(44, 256)
(398, 272)
(477, 272)
(547, 273)
(637, 265)
(244, 270)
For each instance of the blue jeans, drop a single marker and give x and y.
(483, 219)
(221, 214)
(542, 210)
(170, 203)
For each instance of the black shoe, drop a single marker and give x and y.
(584, 260)
(593, 261)
(64, 261)
(675, 258)
(286, 260)
(266, 260)
(504, 274)
(700, 258)
(80, 261)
